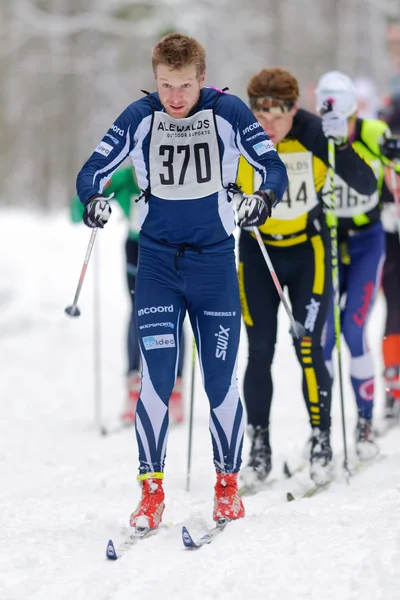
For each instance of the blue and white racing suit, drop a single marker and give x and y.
(186, 169)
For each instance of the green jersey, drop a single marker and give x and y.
(125, 189)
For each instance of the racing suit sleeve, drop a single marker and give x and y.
(349, 165)
(254, 144)
(109, 154)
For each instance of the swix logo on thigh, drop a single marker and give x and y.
(155, 309)
(154, 342)
(222, 342)
(312, 313)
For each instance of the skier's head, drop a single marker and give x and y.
(337, 89)
(179, 67)
(273, 95)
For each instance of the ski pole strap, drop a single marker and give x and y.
(143, 476)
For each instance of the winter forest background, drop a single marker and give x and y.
(69, 67)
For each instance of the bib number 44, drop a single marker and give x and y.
(300, 196)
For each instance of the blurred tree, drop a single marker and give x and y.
(68, 67)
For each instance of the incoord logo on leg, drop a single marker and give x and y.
(155, 309)
(153, 342)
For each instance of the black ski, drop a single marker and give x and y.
(207, 538)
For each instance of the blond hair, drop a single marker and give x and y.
(177, 51)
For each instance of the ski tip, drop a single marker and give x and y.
(286, 471)
(187, 538)
(289, 497)
(110, 552)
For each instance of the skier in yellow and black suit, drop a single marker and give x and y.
(298, 243)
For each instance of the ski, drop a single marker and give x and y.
(251, 488)
(288, 472)
(254, 488)
(114, 552)
(207, 538)
(354, 469)
(362, 464)
(312, 491)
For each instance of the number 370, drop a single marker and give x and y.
(202, 162)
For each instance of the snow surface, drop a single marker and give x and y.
(66, 490)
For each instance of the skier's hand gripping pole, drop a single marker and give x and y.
(73, 310)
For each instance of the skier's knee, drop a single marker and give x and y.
(261, 352)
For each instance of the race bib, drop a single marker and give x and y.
(184, 157)
(300, 196)
(348, 202)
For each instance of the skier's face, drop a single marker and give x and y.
(178, 89)
(276, 126)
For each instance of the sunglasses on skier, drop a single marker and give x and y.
(270, 104)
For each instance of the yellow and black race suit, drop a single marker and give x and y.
(297, 239)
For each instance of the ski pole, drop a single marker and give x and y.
(73, 310)
(297, 328)
(189, 461)
(336, 290)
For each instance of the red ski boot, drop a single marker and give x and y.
(149, 511)
(227, 502)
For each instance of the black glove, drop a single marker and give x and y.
(97, 211)
(255, 209)
(390, 147)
